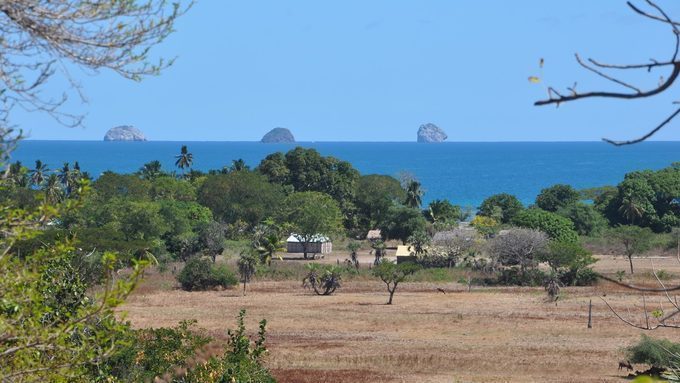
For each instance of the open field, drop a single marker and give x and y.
(487, 335)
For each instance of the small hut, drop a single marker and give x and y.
(318, 244)
(374, 235)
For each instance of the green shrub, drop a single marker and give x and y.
(152, 352)
(557, 227)
(514, 276)
(202, 274)
(655, 352)
(580, 277)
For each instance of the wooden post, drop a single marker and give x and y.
(590, 314)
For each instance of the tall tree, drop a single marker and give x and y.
(238, 165)
(312, 214)
(52, 189)
(556, 197)
(414, 194)
(501, 207)
(39, 173)
(184, 159)
(151, 170)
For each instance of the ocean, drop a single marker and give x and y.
(464, 173)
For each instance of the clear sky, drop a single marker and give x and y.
(358, 70)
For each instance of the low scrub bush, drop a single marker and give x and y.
(180, 354)
(323, 279)
(660, 353)
(202, 274)
(514, 276)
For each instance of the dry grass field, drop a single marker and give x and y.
(487, 335)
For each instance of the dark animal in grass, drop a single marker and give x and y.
(625, 364)
(441, 290)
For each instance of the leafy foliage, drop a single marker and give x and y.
(501, 207)
(655, 352)
(311, 214)
(555, 226)
(557, 197)
(402, 222)
(201, 274)
(240, 196)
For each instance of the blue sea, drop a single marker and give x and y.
(464, 173)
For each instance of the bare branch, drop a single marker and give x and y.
(603, 75)
(646, 136)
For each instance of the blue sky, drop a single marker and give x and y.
(357, 70)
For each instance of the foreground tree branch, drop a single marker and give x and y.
(39, 38)
(656, 13)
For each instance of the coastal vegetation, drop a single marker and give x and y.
(227, 226)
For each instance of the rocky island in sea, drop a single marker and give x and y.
(124, 133)
(431, 133)
(277, 136)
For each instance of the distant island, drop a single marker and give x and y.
(431, 133)
(124, 133)
(277, 136)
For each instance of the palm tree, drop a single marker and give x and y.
(151, 170)
(238, 165)
(414, 194)
(17, 174)
(38, 173)
(247, 265)
(268, 245)
(184, 159)
(630, 209)
(52, 189)
(66, 178)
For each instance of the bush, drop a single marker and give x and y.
(655, 352)
(153, 352)
(323, 279)
(202, 274)
(580, 277)
(514, 276)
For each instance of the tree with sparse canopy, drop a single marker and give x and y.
(247, 266)
(520, 247)
(635, 240)
(605, 71)
(392, 274)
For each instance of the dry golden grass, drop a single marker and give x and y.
(487, 335)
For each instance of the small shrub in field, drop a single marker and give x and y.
(514, 276)
(324, 280)
(202, 274)
(655, 352)
(241, 361)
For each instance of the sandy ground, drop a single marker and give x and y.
(487, 335)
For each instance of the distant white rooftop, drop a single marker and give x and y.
(317, 238)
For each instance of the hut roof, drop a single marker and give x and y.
(374, 234)
(316, 238)
(403, 250)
